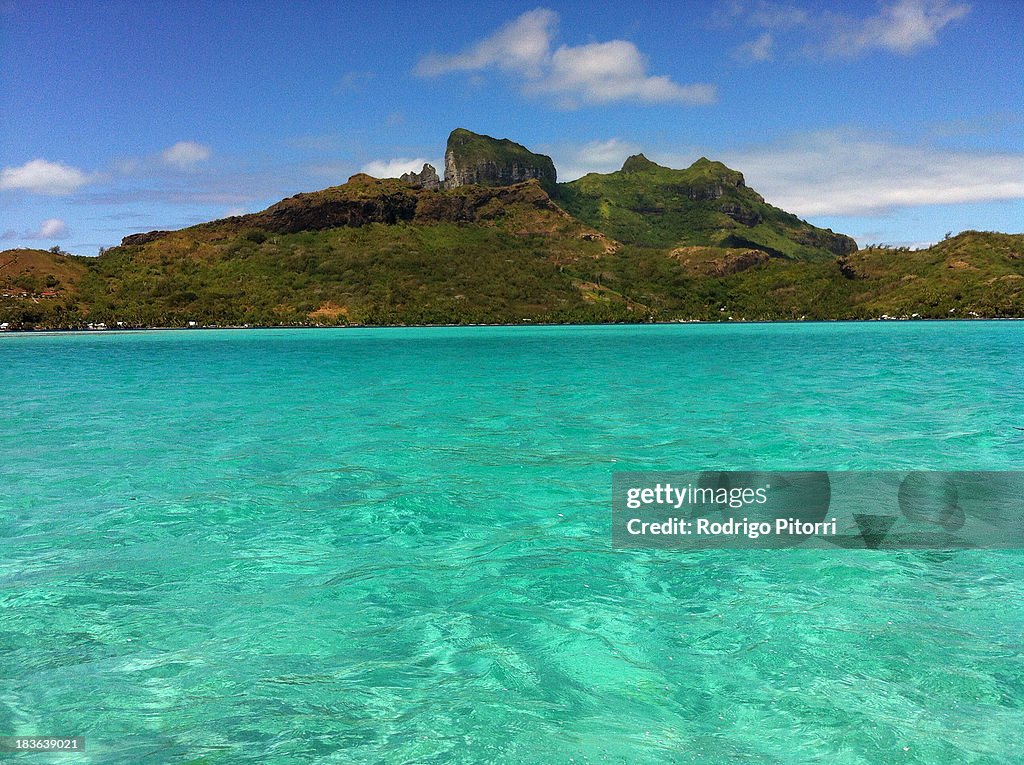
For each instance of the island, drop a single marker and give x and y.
(499, 240)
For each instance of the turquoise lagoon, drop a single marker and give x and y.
(393, 546)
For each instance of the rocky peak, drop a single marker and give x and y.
(426, 178)
(638, 163)
(474, 159)
(146, 238)
(717, 173)
(709, 180)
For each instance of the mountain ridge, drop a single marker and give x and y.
(643, 243)
(706, 204)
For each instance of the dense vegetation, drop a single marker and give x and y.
(706, 204)
(447, 273)
(644, 244)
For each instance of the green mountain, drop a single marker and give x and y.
(706, 204)
(646, 243)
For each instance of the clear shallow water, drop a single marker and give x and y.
(393, 546)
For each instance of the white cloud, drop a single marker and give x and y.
(51, 228)
(594, 157)
(126, 166)
(352, 82)
(594, 73)
(394, 168)
(522, 45)
(599, 73)
(43, 177)
(757, 50)
(778, 15)
(901, 27)
(185, 155)
(849, 173)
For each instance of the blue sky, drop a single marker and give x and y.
(893, 121)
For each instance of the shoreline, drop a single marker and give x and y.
(681, 322)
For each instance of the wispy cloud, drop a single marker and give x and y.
(353, 82)
(39, 176)
(993, 124)
(594, 73)
(521, 46)
(902, 27)
(761, 49)
(51, 228)
(219, 192)
(185, 155)
(779, 16)
(850, 173)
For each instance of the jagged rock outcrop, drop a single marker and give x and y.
(717, 262)
(849, 269)
(146, 238)
(426, 178)
(365, 200)
(826, 239)
(741, 214)
(361, 201)
(474, 159)
(475, 204)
